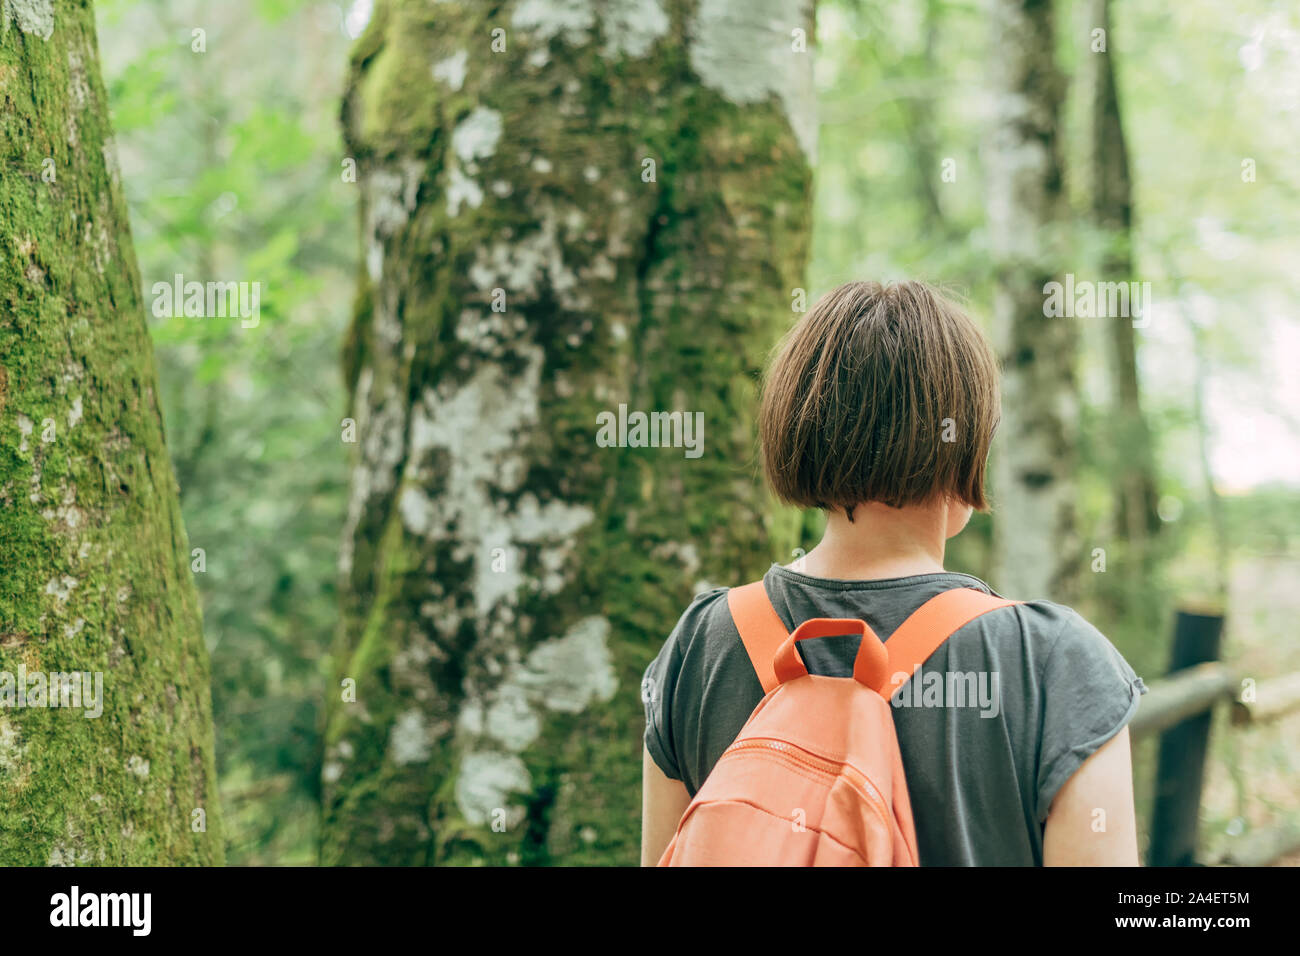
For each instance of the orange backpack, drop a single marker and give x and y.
(815, 777)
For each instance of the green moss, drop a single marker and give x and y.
(93, 555)
(699, 268)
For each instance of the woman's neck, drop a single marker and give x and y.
(880, 542)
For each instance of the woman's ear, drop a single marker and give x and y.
(956, 515)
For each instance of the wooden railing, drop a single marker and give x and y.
(1180, 708)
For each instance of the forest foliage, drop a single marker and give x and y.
(234, 167)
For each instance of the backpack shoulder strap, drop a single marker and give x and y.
(929, 626)
(761, 630)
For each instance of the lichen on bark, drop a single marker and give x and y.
(505, 579)
(94, 562)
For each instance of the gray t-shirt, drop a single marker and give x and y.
(1023, 695)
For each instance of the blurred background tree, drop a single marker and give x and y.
(1034, 471)
(232, 162)
(561, 217)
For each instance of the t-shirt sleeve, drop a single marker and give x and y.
(657, 685)
(671, 688)
(1089, 694)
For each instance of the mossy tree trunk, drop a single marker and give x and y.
(94, 563)
(1035, 538)
(610, 207)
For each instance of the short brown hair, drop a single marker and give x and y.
(880, 393)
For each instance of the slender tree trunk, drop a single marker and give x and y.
(919, 121)
(1136, 519)
(612, 209)
(1036, 551)
(94, 563)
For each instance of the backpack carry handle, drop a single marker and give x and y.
(870, 667)
(766, 640)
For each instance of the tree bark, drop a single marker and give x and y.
(1036, 547)
(1136, 518)
(505, 577)
(94, 561)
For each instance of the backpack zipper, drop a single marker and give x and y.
(806, 758)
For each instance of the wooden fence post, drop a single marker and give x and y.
(1181, 766)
